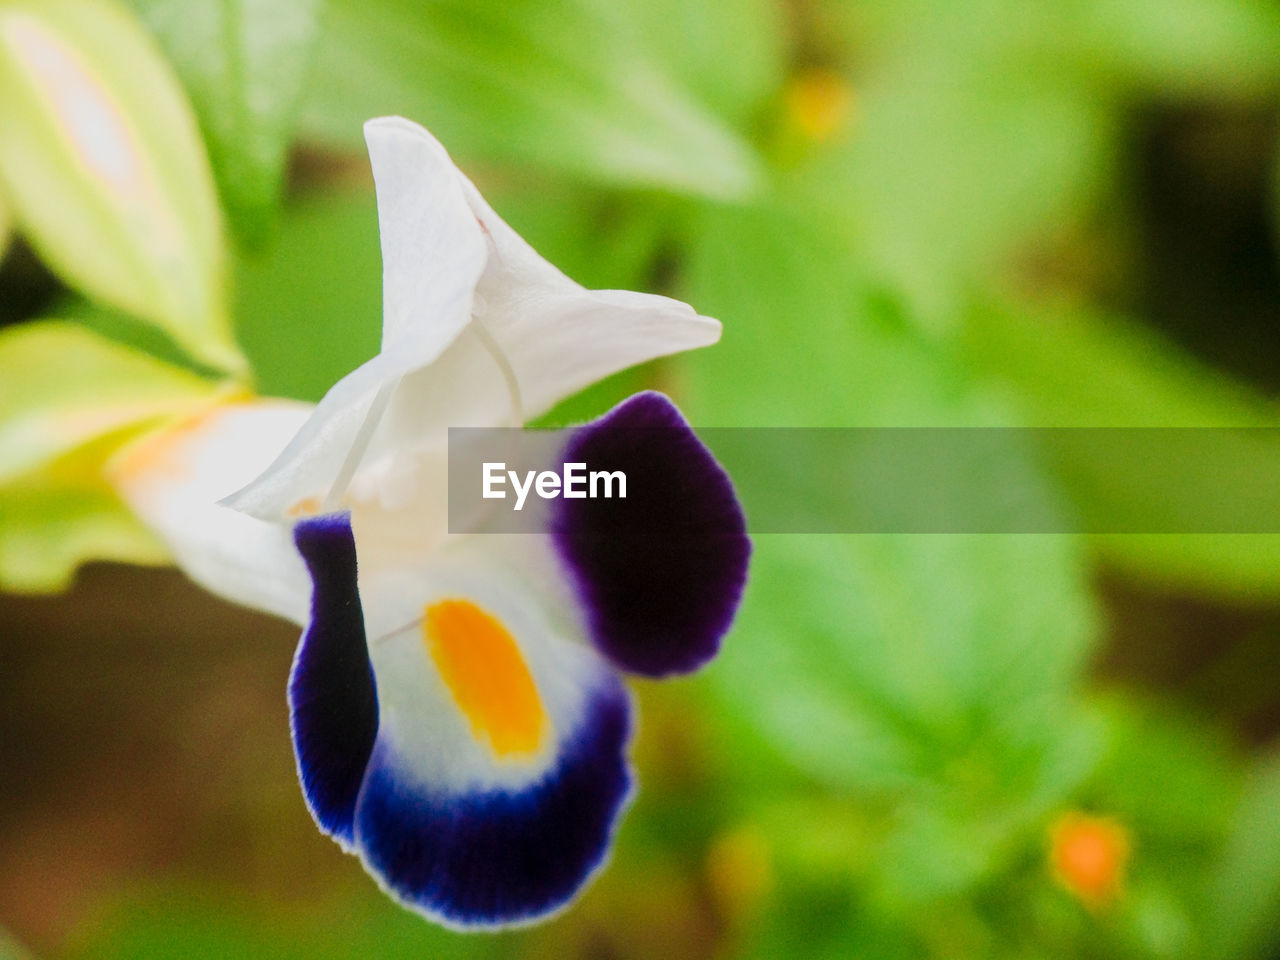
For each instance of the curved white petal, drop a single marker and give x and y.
(173, 480)
(433, 247)
(560, 337)
(555, 336)
(555, 343)
(433, 252)
(311, 461)
(478, 330)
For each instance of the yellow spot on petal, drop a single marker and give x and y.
(1088, 856)
(819, 103)
(483, 668)
(306, 507)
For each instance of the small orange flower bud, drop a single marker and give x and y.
(1088, 856)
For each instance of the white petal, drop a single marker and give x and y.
(433, 252)
(556, 337)
(433, 248)
(560, 337)
(174, 479)
(555, 344)
(309, 464)
(442, 247)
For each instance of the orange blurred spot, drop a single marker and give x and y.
(306, 507)
(158, 455)
(740, 870)
(820, 103)
(1088, 856)
(484, 670)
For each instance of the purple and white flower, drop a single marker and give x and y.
(458, 712)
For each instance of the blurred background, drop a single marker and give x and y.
(989, 213)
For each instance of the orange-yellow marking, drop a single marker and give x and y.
(483, 669)
(306, 507)
(820, 103)
(1089, 855)
(158, 454)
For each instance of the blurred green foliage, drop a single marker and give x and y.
(914, 214)
(244, 63)
(57, 430)
(565, 85)
(101, 160)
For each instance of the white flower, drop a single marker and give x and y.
(456, 707)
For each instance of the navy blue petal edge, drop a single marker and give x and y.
(333, 700)
(661, 572)
(500, 858)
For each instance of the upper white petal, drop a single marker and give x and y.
(448, 259)
(433, 247)
(556, 344)
(433, 251)
(556, 336)
(560, 337)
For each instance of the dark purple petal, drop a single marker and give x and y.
(499, 857)
(333, 701)
(661, 572)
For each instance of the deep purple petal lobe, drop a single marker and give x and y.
(498, 857)
(661, 571)
(333, 701)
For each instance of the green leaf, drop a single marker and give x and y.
(56, 517)
(546, 82)
(847, 354)
(66, 386)
(1192, 47)
(1245, 894)
(244, 63)
(72, 399)
(1169, 48)
(730, 53)
(950, 166)
(1174, 778)
(876, 662)
(1069, 368)
(104, 166)
(127, 331)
